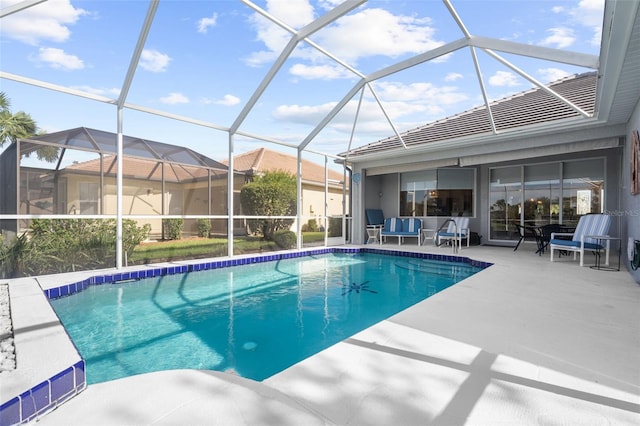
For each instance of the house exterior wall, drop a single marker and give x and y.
(366, 195)
(630, 204)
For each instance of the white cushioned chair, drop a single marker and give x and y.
(457, 230)
(588, 225)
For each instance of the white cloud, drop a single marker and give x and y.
(295, 13)
(398, 99)
(370, 32)
(228, 100)
(154, 61)
(561, 37)
(58, 59)
(503, 78)
(453, 76)
(552, 74)
(587, 14)
(378, 32)
(174, 98)
(48, 21)
(205, 23)
(323, 72)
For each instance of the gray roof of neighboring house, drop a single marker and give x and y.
(527, 108)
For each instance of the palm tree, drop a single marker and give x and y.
(21, 125)
(14, 126)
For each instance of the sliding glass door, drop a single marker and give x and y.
(541, 194)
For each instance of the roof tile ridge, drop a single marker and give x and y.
(258, 160)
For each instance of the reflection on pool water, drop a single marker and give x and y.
(253, 320)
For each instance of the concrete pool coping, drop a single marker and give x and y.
(524, 341)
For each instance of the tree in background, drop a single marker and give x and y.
(272, 194)
(14, 126)
(21, 125)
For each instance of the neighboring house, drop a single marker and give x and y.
(258, 161)
(158, 179)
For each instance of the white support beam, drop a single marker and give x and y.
(56, 88)
(336, 109)
(384, 111)
(538, 52)
(135, 58)
(286, 52)
(483, 89)
(19, 6)
(419, 59)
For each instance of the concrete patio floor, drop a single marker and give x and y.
(525, 342)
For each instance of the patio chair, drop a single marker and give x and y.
(588, 226)
(375, 217)
(457, 230)
(524, 232)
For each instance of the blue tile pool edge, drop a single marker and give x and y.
(49, 394)
(45, 396)
(114, 278)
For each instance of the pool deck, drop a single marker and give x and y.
(525, 341)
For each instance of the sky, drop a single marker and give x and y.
(205, 59)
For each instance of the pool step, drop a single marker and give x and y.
(436, 267)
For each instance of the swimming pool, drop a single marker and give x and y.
(253, 320)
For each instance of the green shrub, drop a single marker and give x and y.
(273, 194)
(310, 226)
(285, 239)
(173, 228)
(204, 227)
(55, 246)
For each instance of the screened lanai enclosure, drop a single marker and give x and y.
(427, 109)
(79, 177)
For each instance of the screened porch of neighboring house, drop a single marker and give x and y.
(157, 179)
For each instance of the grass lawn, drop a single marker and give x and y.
(198, 248)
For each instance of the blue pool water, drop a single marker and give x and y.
(254, 320)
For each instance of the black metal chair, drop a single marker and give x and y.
(525, 232)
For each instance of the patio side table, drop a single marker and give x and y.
(373, 234)
(605, 240)
(427, 233)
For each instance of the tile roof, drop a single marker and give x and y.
(262, 159)
(526, 108)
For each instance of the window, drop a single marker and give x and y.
(582, 189)
(88, 198)
(541, 194)
(505, 199)
(441, 192)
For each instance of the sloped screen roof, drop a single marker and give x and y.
(106, 143)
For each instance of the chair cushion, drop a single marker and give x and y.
(592, 224)
(575, 244)
(392, 224)
(374, 216)
(411, 226)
